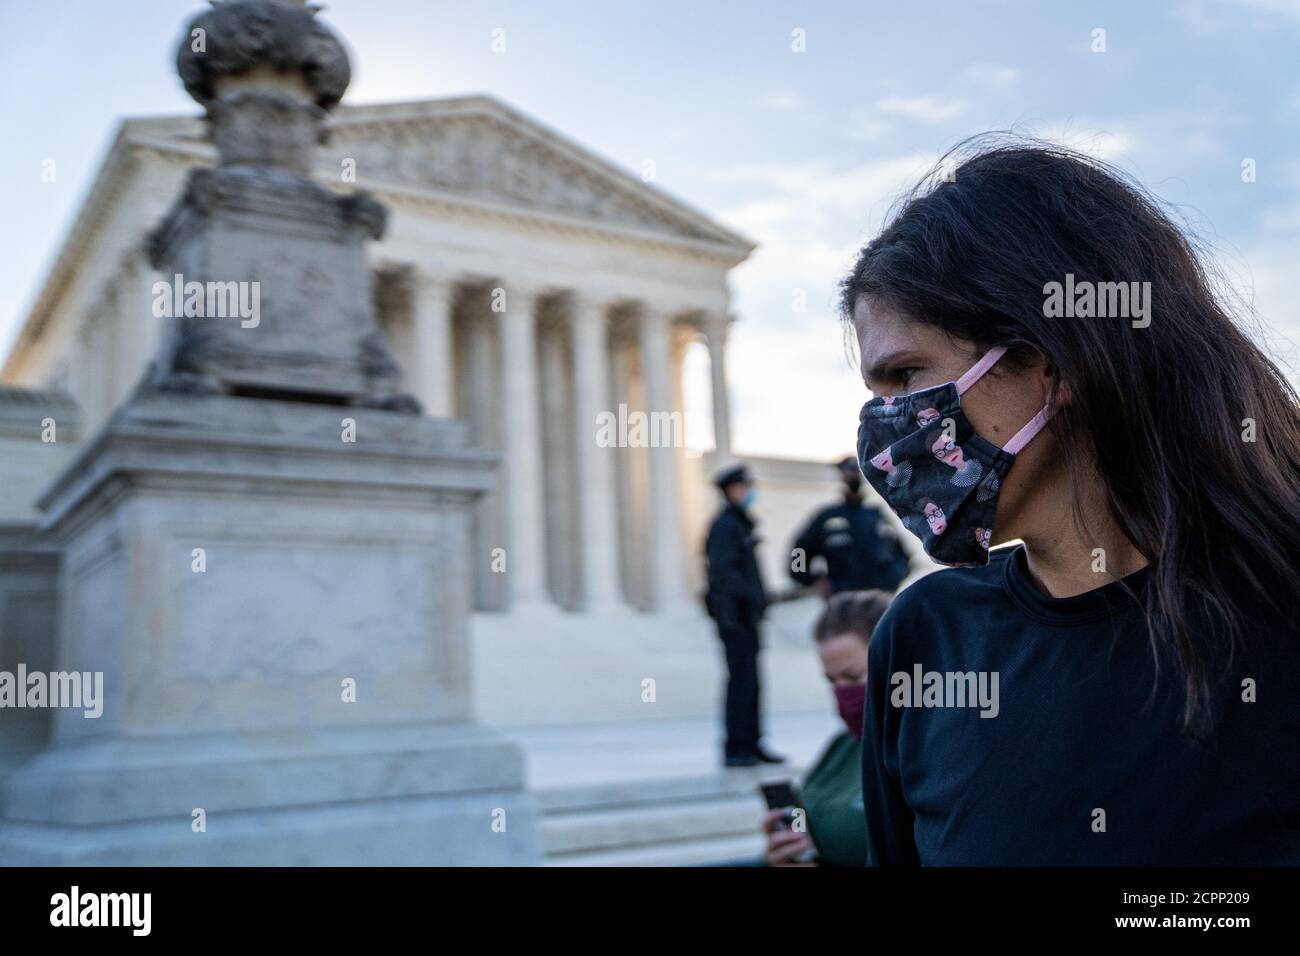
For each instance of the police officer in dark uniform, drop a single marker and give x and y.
(736, 601)
(861, 551)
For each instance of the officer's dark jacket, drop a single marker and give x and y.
(857, 555)
(734, 578)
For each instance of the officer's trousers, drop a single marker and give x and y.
(739, 634)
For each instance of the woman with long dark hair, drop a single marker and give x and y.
(1054, 366)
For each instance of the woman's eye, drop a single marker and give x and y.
(903, 376)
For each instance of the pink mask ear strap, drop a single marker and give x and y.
(1032, 427)
(976, 371)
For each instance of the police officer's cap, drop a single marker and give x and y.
(848, 464)
(732, 474)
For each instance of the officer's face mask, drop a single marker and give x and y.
(921, 454)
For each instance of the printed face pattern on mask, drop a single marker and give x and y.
(922, 455)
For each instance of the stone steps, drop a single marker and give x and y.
(697, 853)
(652, 793)
(674, 822)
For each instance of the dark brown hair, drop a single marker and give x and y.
(851, 612)
(1159, 412)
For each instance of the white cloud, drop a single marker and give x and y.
(809, 219)
(926, 109)
(808, 410)
(1096, 139)
(1263, 274)
(1214, 17)
(1285, 8)
(1283, 218)
(783, 102)
(875, 130)
(992, 75)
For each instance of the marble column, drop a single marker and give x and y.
(140, 327)
(715, 333)
(597, 504)
(667, 556)
(687, 461)
(522, 448)
(432, 299)
(116, 303)
(97, 370)
(630, 472)
(481, 397)
(558, 465)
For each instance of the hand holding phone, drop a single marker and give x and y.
(781, 795)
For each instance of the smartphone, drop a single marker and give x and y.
(780, 794)
(783, 795)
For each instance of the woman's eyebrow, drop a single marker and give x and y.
(881, 365)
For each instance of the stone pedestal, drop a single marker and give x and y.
(265, 552)
(280, 616)
(274, 254)
(29, 568)
(391, 795)
(38, 436)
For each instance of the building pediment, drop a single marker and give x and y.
(475, 151)
(483, 150)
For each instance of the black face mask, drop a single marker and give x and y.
(940, 477)
(853, 483)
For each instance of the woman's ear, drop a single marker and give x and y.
(1055, 392)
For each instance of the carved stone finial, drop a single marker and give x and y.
(240, 36)
(266, 71)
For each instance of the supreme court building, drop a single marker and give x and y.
(525, 285)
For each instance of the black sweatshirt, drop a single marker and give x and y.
(1084, 762)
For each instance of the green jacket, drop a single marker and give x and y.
(832, 798)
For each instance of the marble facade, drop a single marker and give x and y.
(524, 284)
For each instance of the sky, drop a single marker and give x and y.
(800, 150)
